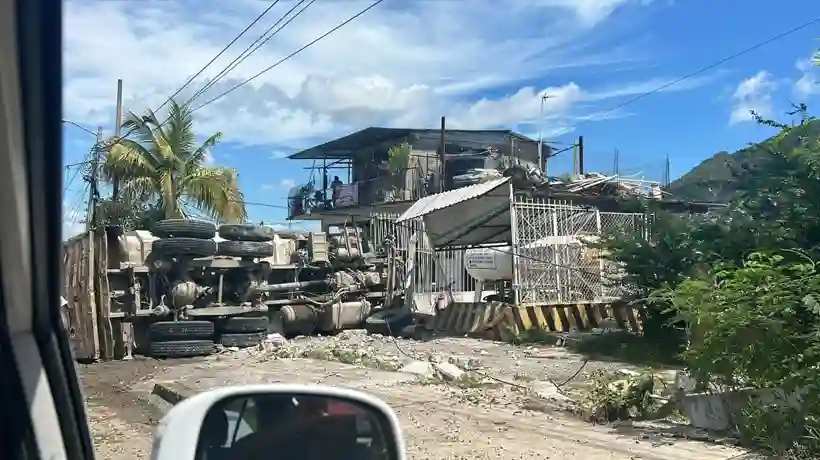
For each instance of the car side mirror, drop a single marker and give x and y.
(279, 421)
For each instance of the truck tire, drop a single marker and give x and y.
(242, 340)
(244, 324)
(168, 331)
(292, 234)
(184, 247)
(181, 348)
(255, 249)
(388, 322)
(246, 233)
(184, 228)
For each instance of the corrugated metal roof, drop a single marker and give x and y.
(345, 147)
(446, 199)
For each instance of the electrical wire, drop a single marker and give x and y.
(205, 67)
(286, 58)
(278, 63)
(690, 75)
(256, 44)
(667, 85)
(79, 166)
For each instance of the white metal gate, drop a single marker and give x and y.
(428, 271)
(553, 262)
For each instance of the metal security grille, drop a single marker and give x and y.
(428, 271)
(554, 260)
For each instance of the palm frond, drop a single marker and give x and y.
(128, 159)
(178, 133)
(216, 192)
(161, 166)
(139, 189)
(140, 127)
(197, 158)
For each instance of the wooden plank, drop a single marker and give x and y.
(77, 286)
(103, 297)
(90, 273)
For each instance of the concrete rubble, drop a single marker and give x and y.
(457, 398)
(475, 370)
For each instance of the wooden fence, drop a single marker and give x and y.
(85, 287)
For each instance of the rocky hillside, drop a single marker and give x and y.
(717, 178)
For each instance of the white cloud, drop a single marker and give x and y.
(73, 220)
(401, 64)
(286, 184)
(209, 159)
(753, 94)
(809, 82)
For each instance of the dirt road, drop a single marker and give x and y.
(441, 421)
(121, 425)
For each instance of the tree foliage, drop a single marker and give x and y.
(162, 171)
(744, 282)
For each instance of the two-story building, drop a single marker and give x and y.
(385, 170)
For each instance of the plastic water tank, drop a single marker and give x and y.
(489, 264)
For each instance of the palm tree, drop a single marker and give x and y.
(162, 166)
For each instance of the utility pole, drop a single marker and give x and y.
(666, 178)
(542, 162)
(574, 160)
(115, 181)
(581, 155)
(442, 157)
(617, 165)
(93, 191)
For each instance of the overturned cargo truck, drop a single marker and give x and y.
(186, 286)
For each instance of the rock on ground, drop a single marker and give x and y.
(447, 417)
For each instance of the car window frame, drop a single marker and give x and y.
(38, 369)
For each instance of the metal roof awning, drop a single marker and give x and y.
(346, 147)
(468, 216)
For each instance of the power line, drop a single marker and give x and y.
(321, 37)
(690, 75)
(313, 42)
(258, 43)
(191, 79)
(244, 31)
(86, 160)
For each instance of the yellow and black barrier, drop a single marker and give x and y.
(486, 320)
(502, 321)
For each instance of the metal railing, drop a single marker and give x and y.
(409, 186)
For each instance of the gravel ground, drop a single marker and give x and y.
(121, 425)
(527, 362)
(441, 421)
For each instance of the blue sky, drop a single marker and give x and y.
(480, 63)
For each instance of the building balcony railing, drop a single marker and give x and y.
(409, 186)
(412, 185)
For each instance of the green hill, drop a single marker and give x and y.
(718, 178)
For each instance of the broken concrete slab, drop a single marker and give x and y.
(548, 391)
(172, 392)
(448, 371)
(423, 369)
